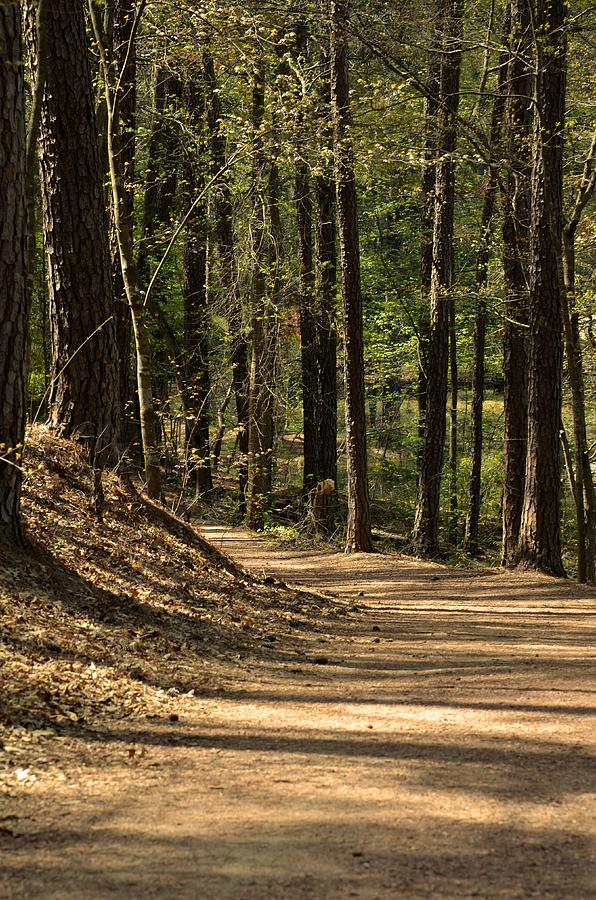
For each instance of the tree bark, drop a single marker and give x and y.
(260, 427)
(358, 536)
(427, 190)
(162, 168)
(196, 311)
(123, 233)
(326, 317)
(453, 448)
(539, 537)
(229, 275)
(84, 398)
(308, 320)
(584, 494)
(426, 527)
(471, 544)
(125, 56)
(13, 271)
(516, 225)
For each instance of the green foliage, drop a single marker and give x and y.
(389, 64)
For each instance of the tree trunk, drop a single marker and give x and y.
(359, 523)
(123, 233)
(161, 176)
(585, 497)
(221, 430)
(13, 271)
(126, 62)
(426, 527)
(326, 313)
(161, 180)
(453, 378)
(584, 493)
(196, 312)
(308, 331)
(516, 224)
(36, 27)
(308, 320)
(486, 233)
(260, 429)
(84, 398)
(229, 275)
(427, 190)
(539, 537)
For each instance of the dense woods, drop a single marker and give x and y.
(326, 267)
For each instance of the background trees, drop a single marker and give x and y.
(221, 166)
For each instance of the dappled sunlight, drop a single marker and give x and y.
(435, 739)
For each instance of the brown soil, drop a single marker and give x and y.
(433, 736)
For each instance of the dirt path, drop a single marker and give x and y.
(439, 743)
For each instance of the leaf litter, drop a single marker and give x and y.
(127, 619)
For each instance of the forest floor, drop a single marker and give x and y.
(388, 729)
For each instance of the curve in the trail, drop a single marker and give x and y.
(437, 741)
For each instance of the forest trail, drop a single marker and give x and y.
(437, 742)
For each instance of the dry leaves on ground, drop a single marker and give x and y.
(119, 619)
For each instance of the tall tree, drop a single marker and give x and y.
(261, 418)
(358, 536)
(196, 313)
(427, 191)
(326, 311)
(585, 499)
(84, 400)
(539, 537)
(308, 319)
(224, 225)
(516, 230)
(125, 58)
(161, 176)
(161, 180)
(487, 223)
(426, 527)
(124, 238)
(13, 270)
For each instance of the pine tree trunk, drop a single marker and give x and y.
(358, 536)
(584, 494)
(426, 527)
(84, 400)
(326, 314)
(161, 176)
(13, 271)
(161, 180)
(229, 275)
(308, 322)
(123, 235)
(575, 374)
(260, 429)
(516, 224)
(126, 61)
(453, 448)
(486, 234)
(35, 26)
(427, 186)
(539, 538)
(326, 301)
(196, 311)
(308, 331)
